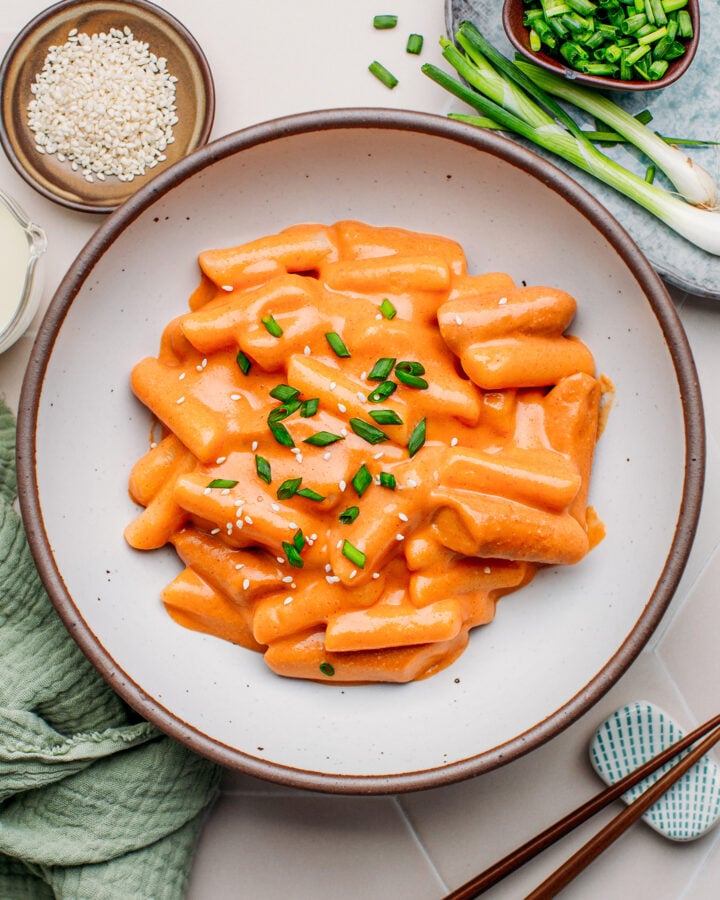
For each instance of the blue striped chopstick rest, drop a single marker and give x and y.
(634, 734)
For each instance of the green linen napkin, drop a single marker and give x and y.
(95, 804)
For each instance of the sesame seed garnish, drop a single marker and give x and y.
(327, 455)
(353, 573)
(239, 566)
(215, 531)
(181, 376)
(246, 584)
(275, 507)
(180, 400)
(344, 432)
(328, 567)
(248, 520)
(239, 502)
(363, 376)
(280, 559)
(287, 601)
(287, 579)
(402, 517)
(227, 287)
(198, 368)
(502, 301)
(204, 363)
(220, 460)
(412, 482)
(487, 570)
(399, 537)
(342, 485)
(333, 385)
(239, 523)
(306, 350)
(458, 320)
(375, 575)
(332, 579)
(153, 445)
(361, 396)
(254, 446)
(453, 442)
(292, 525)
(379, 455)
(235, 397)
(225, 491)
(379, 317)
(206, 491)
(339, 544)
(342, 408)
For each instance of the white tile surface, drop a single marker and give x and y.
(264, 841)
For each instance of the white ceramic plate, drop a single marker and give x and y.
(554, 647)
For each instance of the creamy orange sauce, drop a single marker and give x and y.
(481, 478)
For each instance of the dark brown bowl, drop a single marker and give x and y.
(519, 37)
(195, 95)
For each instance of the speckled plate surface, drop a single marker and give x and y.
(168, 38)
(689, 108)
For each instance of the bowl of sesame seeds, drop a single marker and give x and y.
(96, 98)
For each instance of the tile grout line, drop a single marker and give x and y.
(421, 846)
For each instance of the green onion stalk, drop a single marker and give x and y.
(507, 94)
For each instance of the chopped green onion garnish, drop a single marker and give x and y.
(382, 392)
(309, 407)
(299, 540)
(292, 555)
(409, 373)
(361, 480)
(387, 309)
(272, 326)
(322, 439)
(288, 488)
(414, 44)
(284, 392)
(327, 669)
(310, 494)
(284, 410)
(356, 557)
(368, 432)
(417, 437)
(384, 21)
(281, 434)
(388, 481)
(243, 362)
(222, 483)
(274, 420)
(337, 344)
(383, 74)
(382, 368)
(348, 516)
(385, 417)
(262, 467)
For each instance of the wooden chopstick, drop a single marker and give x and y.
(531, 848)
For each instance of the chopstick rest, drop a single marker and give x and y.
(633, 734)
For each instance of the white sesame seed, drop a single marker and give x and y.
(361, 396)
(333, 385)
(342, 408)
(207, 490)
(375, 575)
(328, 567)
(181, 376)
(225, 491)
(239, 566)
(239, 523)
(379, 455)
(353, 573)
(220, 460)
(299, 458)
(287, 601)
(280, 559)
(327, 455)
(227, 287)
(412, 482)
(275, 507)
(248, 520)
(306, 350)
(153, 445)
(344, 432)
(287, 579)
(339, 544)
(502, 301)
(332, 579)
(254, 446)
(458, 320)
(399, 537)
(363, 376)
(204, 363)
(342, 485)
(239, 502)
(180, 400)
(246, 584)
(378, 316)
(402, 517)
(198, 368)
(215, 531)
(235, 397)
(292, 525)
(487, 570)
(313, 537)
(295, 450)
(453, 442)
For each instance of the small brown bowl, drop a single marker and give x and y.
(519, 36)
(195, 95)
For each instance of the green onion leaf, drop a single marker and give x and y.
(417, 437)
(387, 309)
(388, 481)
(414, 44)
(409, 372)
(381, 22)
(348, 516)
(272, 326)
(262, 467)
(310, 494)
(385, 417)
(361, 480)
(299, 540)
(356, 557)
(292, 555)
(322, 439)
(281, 434)
(243, 362)
(284, 410)
(368, 432)
(382, 392)
(382, 74)
(337, 344)
(288, 488)
(326, 669)
(382, 368)
(309, 407)
(284, 392)
(222, 483)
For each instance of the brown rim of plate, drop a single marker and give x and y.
(678, 347)
(519, 37)
(166, 36)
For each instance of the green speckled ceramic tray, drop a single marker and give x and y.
(689, 108)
